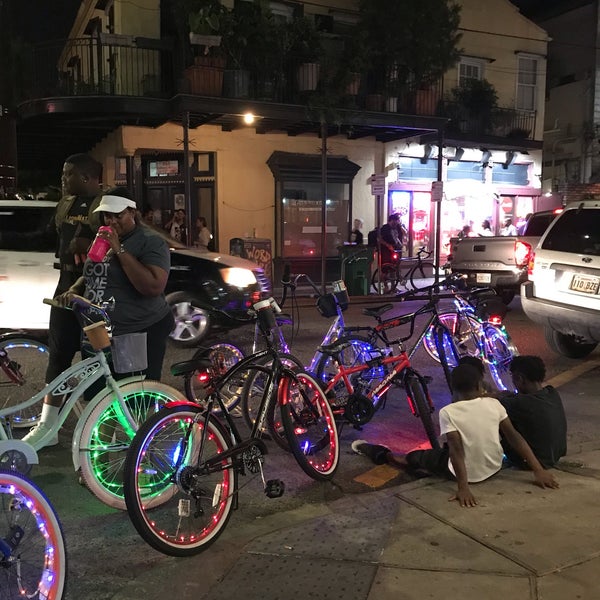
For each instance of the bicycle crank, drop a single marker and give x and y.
(359, 409)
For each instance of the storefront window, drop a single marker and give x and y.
(415, 217)
(302, 218)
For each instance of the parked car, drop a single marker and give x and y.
(501, 261)
(203, 287)
(563, 293)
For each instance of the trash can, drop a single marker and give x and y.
(236, 247)
(356, 268)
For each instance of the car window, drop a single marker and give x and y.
(26, 228)
(576, 231)
(538, 224)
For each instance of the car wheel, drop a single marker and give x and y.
(192, 322)
(568, 345)
(506, 295)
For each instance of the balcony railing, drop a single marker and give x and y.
(120, 65)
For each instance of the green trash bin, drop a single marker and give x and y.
(356, 264)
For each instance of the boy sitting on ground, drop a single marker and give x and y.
(536, 412)
(471, 426)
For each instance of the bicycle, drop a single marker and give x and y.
(355, 397)
(190, 460)
(472, 327)
(23, 363)
(104, 427)
(33, 556)
(392, 275)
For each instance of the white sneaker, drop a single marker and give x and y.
(37, 433)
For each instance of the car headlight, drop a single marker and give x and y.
(237, 277)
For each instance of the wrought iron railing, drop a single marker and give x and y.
(119, 65)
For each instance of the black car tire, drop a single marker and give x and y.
(192, 320)
(567, 345)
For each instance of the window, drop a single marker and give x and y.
(527, 83)
(469, 68)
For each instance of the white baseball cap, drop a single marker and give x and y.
(115, 204)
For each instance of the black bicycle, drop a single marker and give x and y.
(410, 273)
(182, 469)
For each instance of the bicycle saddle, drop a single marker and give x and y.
(376, 311)
(188, 366)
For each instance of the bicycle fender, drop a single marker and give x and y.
(86, 413)
(20, 446)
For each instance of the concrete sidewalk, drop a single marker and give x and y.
(408, 542)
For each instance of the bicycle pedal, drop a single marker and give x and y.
(274, 488)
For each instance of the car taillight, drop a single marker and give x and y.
(523, 252)
(531, 264)
(394, 256)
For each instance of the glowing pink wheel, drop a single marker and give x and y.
(33, 556)
(309, 425)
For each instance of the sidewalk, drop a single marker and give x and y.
(408, 542)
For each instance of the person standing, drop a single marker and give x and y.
(204, 235)
(75, 224)
(391, 238)
(486, 229)
(356, 235)
(509, 229)
(132, 276)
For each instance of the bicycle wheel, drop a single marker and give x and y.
(25, 377)
(189, 502)
(223, 356)
(33, 555)
(106, 435)
(420, 273)
(447, 352)
(465, 331)
(418, 396)
(358, 352)
(389, 279)
(499, 351)
(252, 395)
(309, 425)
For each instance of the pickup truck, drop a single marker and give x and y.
(499, 262)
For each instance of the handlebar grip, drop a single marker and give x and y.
(52, 302)
(285, 278)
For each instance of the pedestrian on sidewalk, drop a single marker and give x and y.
(472, 452)
(536, 411)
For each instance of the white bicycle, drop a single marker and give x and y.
(104, 428)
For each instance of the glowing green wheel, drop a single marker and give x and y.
(106, 436)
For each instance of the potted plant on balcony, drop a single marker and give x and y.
(478, 98)
(205, 19)
(305, 51)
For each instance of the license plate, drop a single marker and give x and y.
(483, 278)
(585, 284)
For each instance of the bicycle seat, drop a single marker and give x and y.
(335, 348)
(376, 311)
(188, 366)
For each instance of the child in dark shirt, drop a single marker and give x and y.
(536, 412)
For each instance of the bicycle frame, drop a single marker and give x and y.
(85, 373)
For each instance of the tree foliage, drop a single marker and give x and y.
(414, 41)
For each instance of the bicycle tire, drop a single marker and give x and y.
(38, 567)
(389, 279)
(105, 438)
(462, 328)
(29, 356)
(309, 425)
(499, 351)
(193, 504)
(418, 393)
(223, 356)
(252, 395)
(447, 351)
(421, 268)
(359, 351)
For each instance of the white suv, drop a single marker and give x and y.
(563, 293)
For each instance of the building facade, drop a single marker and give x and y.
(128, 97)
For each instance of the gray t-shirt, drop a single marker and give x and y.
(107, 282)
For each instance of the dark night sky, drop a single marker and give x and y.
(52, 19)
